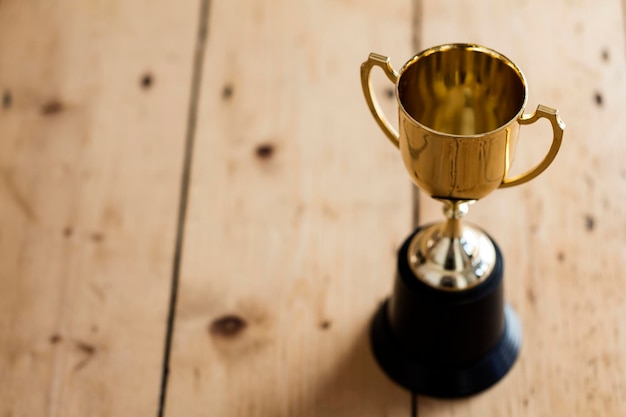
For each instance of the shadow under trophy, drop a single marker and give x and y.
(446, 331)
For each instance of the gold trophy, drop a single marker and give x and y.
(446, 331)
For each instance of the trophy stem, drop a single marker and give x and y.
(452, 255)
(454, 212)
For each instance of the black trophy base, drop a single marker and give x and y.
(445, 344)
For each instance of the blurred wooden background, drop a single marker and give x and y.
(198, 216)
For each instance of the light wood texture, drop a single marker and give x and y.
(564, 233)
(91, 153)
(297, 206)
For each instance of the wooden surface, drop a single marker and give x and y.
(295, 209)
(92, 126)
(200, 189)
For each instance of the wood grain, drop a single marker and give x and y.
(563, 234)
(297, 206)
(92, 125)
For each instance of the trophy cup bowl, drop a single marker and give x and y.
(445, 331)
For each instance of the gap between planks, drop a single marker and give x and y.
(416, 41)
(196, 81)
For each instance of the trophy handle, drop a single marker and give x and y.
(372, 103)
(557, 128)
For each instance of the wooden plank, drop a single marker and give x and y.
(92, 127)
(562, 234)
(297, 206)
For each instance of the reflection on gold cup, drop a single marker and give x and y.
(460, 108)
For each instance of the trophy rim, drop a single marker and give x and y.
(464, 46)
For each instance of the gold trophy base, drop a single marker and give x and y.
(444, 343)
(453, 255)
